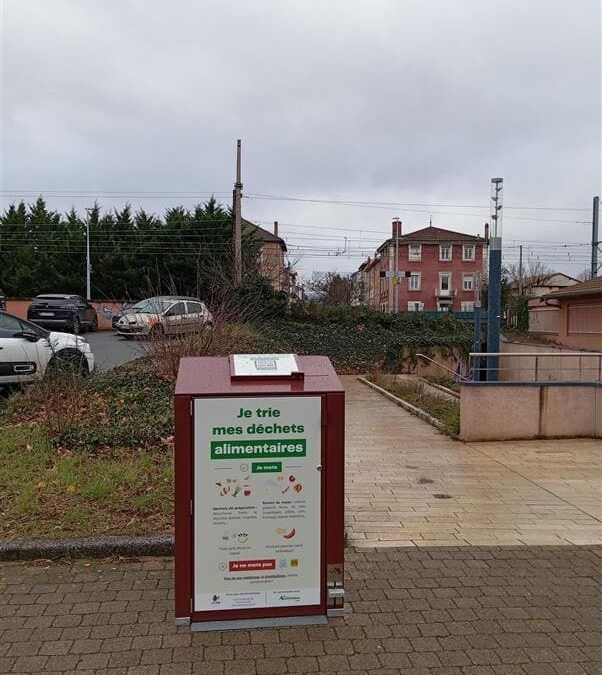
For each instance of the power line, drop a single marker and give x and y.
(227, 190)
(345, 202)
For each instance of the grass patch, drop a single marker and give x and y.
(51, 493)
(447, 382)
(444, 410)
(128, 407)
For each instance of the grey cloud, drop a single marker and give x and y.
(412, 101)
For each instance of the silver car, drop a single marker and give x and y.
(164, 315)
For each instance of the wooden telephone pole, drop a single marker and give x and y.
(237, 221)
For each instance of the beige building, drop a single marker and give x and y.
(536, 287)
(571, 316)
(273, 264)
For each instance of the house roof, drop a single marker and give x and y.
(591, 287)
(435, 235)
(266, 235)
(542, 280)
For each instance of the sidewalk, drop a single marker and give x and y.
(417, 610)
(409, 485)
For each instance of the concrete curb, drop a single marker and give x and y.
(424, 416)
(440, 387)
(87, 547)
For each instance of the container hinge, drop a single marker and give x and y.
(336, 592)
(191, 507)
(191, 604)
(191, 407)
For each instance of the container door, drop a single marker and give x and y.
(257, 507)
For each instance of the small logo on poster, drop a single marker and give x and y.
(215, 600)
(290, 597)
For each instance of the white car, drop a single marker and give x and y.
(164, 315)
(27, 351)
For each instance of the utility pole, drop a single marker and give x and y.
(520, 269)
(595, 237)
(396, 281)
(88, 265)
(237, 221)
(495, 279)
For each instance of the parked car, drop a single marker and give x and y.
(115, 317)
(164, 315)
(27, 351)
(2, 299)
(67, 312)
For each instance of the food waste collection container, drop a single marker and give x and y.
(259, 490)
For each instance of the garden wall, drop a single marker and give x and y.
(507, 411)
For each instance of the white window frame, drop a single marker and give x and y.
(443, 247)
(449, 284)
(468, 277)
(472, 248)
(415, 306)
(415, 256)
(415, 275)
(467, 306)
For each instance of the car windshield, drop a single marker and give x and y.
(52, 301)
(152, 306)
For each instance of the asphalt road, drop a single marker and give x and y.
(110, 350)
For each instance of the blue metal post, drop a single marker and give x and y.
(476, 346)
(494, 307)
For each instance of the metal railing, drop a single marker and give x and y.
(455, 375)
(588, 368)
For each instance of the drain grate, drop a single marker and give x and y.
(442, 495)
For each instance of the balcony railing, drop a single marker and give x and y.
(445, 293)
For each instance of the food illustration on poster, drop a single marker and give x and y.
(257, 493)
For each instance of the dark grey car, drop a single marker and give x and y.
(69, 313)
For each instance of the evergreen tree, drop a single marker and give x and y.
(133, 255)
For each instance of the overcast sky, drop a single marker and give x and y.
(400, 101)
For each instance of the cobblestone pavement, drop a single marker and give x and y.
(416, 610)
(409, 485)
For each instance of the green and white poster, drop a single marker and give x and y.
(257, 502)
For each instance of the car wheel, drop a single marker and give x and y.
(69, 360)
(94, 325)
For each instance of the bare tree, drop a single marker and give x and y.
(331, 288)
(535, 272)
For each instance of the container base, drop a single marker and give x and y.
(272, 622)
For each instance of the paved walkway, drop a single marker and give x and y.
(422, 596)
(411, 610)
(409, 485)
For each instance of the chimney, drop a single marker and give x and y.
(486, 232)
(275, 228)
(396, 228)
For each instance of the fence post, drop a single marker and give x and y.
(536, 368)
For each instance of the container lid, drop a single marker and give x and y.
(213, 375)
